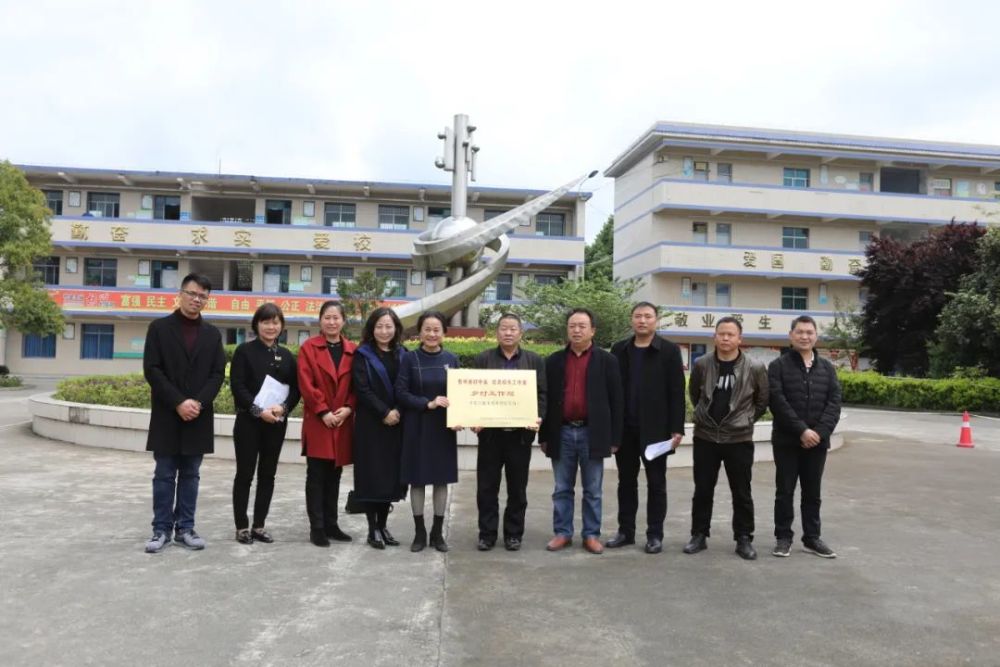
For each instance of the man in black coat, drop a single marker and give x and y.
(653, 380)
(805, 402)
(185, 365)
(581, 428)
(506, 449)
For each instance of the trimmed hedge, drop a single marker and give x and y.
(950, 395)
(8, 381)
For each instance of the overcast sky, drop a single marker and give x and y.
(352, 90)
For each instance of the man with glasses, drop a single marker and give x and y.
(185, 365)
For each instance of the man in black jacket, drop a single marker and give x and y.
(805, 402)
(653, 380)
(581, 428)
(506, 449)
(185, 365)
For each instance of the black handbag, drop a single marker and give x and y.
(353, 505)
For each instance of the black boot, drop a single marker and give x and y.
(382, 516)
(437, 536)
(419, 534)
(374, 536)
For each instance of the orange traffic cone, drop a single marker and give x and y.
(965, 439)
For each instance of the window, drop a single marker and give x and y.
(794, 237)
(699, 232)
(38, 347)
(103, 204)
(796, 178)
(864, 238)
(866, 181)
(164, 275)
(547, 279)
(100, 272)
(241, 275)
(491, 213)
(340, 215)
(395, 285)
(723, 234)
(502, 288)
(550, 224)
(940, 187)
(236, 336)
(701, 171)
(724, 172)
(393, 217)
(53, 199)
(794, 298)
(699, 294)
(276, 277)
(47, 269)
(166, 207)
(723, 294)
(278, 211)
(697, 350)
(97, 341)
(332, 275)
(436, 214)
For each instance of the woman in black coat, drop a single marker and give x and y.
(430, 448)
(378, 436)
(259, 431)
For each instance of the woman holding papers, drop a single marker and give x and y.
(378, 435)
(328, 420)
(265, 389)
(430, 448)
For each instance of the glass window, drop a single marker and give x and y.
(103, 204)
(723, 234)
(699, 232)
(794, 298)
(796, 178)
(166, 207)
(864, 238)
(47, 269)
(340, 215)
(723, 294)
(502, 288)
(940, 187)
(278, 211)
(241, 275)
(164, 275)
(236, 336)
(794, 237)
(393, 217)
(491, 213)
(100, 272)
(395, 285)
(332, 275)
(54, 200)
(437, 214)
(699, 294)
(97, 341)
(38, 347)
(550, 224)
(547, 279)
(276, 277)
(866, 181)
(724, 172)
(700, 171)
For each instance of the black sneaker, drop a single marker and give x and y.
(261, 535)
(512, 543)
(243, 536)
(485, 544)
(782, 548)
(818, 547)
(697, 543)
(744, 548)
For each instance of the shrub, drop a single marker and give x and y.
(950, 394)
(4, 371)
(10, 381)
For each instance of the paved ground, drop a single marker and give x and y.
(915, 521)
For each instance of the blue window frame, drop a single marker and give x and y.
(796, 178)
(97, 341)
(38, 347)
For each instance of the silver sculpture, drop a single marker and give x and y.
(455, 245)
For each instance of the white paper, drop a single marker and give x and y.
(271, 393)
(658, 449)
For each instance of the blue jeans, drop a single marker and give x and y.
(175, 473)
(574, 451)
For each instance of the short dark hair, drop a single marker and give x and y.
(435, 315)
(332, 304)
(803, 319)
(586, 311)
(645, 304)
(267, 311)
(199, 279)
(729, 320)
(511, 316)
(368, 333)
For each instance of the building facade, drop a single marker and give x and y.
(122, 240)
(767, 225)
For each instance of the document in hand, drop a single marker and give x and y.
(271, 393)
(658, 449)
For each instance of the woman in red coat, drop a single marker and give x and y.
(324, 367)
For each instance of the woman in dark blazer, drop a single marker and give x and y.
(259, 430)
(378, 435)
(430, 449)
(327, 422)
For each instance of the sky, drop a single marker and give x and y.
(359, 91)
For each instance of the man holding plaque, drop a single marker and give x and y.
(506, 450)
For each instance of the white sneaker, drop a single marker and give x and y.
(157, 542)
(190, 539)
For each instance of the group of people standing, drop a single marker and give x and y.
(383, 409)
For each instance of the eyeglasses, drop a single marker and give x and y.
(195, 296)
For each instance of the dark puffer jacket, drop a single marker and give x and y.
(802, 400)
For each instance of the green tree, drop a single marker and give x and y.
(363, 294)
(24, 237)
(845, 332)
(599, 255)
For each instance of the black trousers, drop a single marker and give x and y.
(628, 457)
(322, 492)
(501, 451)
(793, 464)
(738, 459)
(258, 446)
